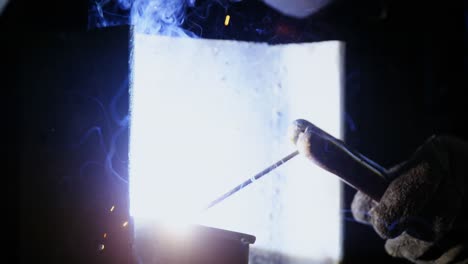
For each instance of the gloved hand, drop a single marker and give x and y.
(423, 213)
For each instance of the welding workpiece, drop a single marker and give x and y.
(336, 157)
(330, 154)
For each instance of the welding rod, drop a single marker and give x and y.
(334, 156)
(254, 178)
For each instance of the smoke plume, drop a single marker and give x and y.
(161, 17)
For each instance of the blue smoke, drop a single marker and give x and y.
(160, 17)
(110, 137)
(121, 121)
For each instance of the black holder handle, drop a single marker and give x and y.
(352, 167)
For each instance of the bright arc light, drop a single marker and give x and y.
(208, 114)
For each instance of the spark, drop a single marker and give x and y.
(101, 247)
(125, 224)
(105, 235)
(112, 208)
(226, 20)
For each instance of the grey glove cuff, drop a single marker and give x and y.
(424, 252)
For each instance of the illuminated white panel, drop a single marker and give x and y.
(208, 114)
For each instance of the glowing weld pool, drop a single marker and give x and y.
(206, 115)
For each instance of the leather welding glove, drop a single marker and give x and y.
(423, 213)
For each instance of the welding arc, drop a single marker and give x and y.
(254, 178)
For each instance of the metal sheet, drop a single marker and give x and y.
(207, 114)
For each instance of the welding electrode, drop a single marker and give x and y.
(334, 156)
(254, 178)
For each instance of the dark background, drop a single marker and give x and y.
(405, 74)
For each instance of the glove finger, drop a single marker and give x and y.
(457, 254)
(408, 194)
(402, 201)
(408, 247)
(361, 206)
(438, 218)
